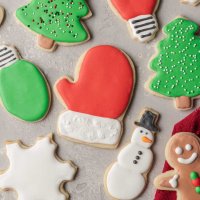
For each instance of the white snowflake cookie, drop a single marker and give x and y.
(36, 172)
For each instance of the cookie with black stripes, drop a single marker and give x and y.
(139, 15)
(24, 91)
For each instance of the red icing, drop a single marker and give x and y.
(104, 85)
(190, 124)
(132, 8)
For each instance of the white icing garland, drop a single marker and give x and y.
(89, 129)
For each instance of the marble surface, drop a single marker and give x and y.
(105, 28)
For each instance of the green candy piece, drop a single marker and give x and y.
(197, 189)
(58, 20)
(194, 175)
(177, 64)
(24, 91)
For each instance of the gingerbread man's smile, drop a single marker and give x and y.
(186, 161)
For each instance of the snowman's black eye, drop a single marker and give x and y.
(141, 131)
(146, 133)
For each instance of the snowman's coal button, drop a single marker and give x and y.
(137, 157)
(135, 162)
(140, 152)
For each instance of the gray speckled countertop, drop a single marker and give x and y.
(92, 162)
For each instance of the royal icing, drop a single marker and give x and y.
(179, 150)
(125, 178)
(191, 2)
(104, 84)
(140, 17)
(23, 89)
(174, 181)
(186, 167)
(143, 27)
(1, 14)
(91, 129)
(35, 173)
(177, 63)
(57, 20)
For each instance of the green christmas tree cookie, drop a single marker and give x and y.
(177, 64)
(24, 92)
(55, 21)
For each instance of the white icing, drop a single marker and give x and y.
(189, 160)
(143, 27)
(90, 129)
(8, 55)
(139, 134)
(192, 2)
(125, 179)
(188, 147)
(179, 151)
(35, 173)
(174, 181)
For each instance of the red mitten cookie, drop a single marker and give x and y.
(189, 124)
(98, 98)
(139, 15)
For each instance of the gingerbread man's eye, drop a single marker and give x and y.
(188, 147)
(179, 151)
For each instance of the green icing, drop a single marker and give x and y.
(194, 175)
(23, 91)
(177, 64)
(58, 20)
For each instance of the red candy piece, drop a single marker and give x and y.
(196, 182)
(132, 8)
(104, 85)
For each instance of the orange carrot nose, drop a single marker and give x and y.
(146, 140)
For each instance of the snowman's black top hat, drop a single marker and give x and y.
(149, 120)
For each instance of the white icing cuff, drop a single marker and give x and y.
(143, 27)
(8, 55)
(89, 129)
(174, 181)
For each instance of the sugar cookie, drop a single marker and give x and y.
(24, 91)
(126, 178)
(36, 172)
(177, 64)
(56, 22)
(2, 13)
(184, 179)
(98, 98)
(139, 15)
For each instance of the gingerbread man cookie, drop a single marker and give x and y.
(127, 178)
(183, 154)
(56, 22)
(191, 2)
(176, 64)
(97, 99)
(139, 15)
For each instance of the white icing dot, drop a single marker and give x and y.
(188, 147)
(179, 150)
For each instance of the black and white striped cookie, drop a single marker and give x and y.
(8, 55)
(143, 27)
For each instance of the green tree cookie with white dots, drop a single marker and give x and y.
(177, 64)
(56, 21)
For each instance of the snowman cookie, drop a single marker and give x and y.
(98, 97)
(2, 13)
(126, 178)
(139, 15)
(191, 2)
(24, 91)
(56, 22)
(183, 154)
(36, 172)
